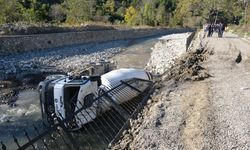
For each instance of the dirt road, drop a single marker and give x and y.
(218, 109)
(209, 114)
(229, 92)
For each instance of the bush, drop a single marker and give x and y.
(79, 11)
(10, 11)
(57, 13)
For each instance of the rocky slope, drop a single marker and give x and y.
(158, 125)
(166, 51)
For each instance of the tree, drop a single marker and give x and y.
(110, 6)
(133, 12)
(121, 11)
(10, 11)
(34, 10)
(212, 11)
(182, 11)
(57, 13)
(79, 11)
(131, 15)
(149, 14)
(161, 15)
(245, 5)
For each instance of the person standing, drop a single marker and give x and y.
(209, 27)
(212, 29)
(221, 30)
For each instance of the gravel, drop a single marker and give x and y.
(229, 100)
(67, 59)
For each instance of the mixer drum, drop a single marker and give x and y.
(114, 78)
(122, 94)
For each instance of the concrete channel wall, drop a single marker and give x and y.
(11, 44)
(190, 39)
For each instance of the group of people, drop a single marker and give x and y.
(211, 28)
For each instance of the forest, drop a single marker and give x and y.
(186, 13)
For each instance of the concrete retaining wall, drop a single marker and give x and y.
(20, 43)
(190, 39)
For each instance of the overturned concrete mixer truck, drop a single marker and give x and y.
(62, 95)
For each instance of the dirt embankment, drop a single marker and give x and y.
(188, 112)
(168, 120)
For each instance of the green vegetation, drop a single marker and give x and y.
(191, 13)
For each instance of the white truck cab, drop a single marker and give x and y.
(63, 95)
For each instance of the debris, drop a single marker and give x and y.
(239, 58)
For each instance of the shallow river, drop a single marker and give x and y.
(21, 116)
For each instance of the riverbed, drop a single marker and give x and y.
(25, 110)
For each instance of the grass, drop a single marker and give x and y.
(242, 30)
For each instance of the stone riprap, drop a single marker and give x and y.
(166, 51)
(12, 44)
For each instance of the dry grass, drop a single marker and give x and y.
(242, 30)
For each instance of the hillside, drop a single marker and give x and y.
(192, 13)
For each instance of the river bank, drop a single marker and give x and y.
(159, 123)
(22, 72)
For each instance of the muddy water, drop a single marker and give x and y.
(136, 54)
(13, 119)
